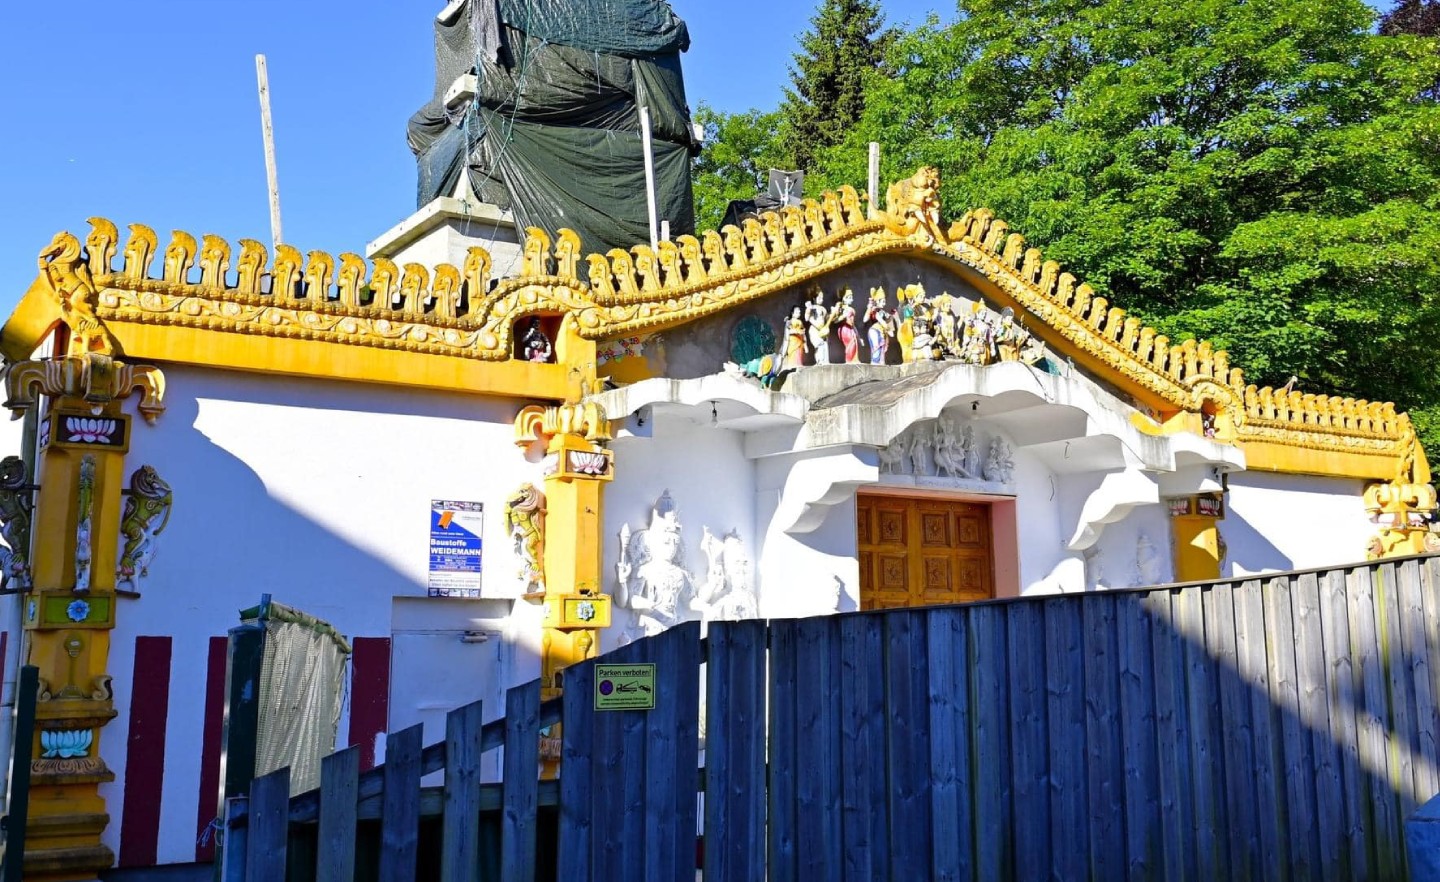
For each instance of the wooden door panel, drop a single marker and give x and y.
(916, 552)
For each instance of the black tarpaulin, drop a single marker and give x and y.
(554, 132)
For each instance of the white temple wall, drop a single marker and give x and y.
(319, 494)
(1041, 536)
(1283, 522)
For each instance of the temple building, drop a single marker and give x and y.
(479, 479)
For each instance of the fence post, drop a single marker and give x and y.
(18, 808)
(231, 859)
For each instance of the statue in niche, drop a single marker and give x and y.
(882, 325)
(842, 317)
(922, 342)
(85, 510)
(727, 594)
(818, 318)
(947, 341)
(1010, 337)
(793, 353)
(999, 464)
(910, 301)
(920, 453)
(975, 337)
(534, 345)
(652, 579)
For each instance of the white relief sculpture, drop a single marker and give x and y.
(952, 449)
(728, 593)
(890, 459)
(999, 465)
(653, 581)
(1094, 569)
(919, 453)
(1147, 561)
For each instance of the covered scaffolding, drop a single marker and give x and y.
(553, 132)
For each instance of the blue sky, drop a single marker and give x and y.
(147, 111)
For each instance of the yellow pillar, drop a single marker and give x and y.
(69, 610)
(1194, 526)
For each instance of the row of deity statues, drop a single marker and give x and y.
(948, 448)
(921, 328)
(654, 583)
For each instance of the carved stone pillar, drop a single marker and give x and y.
(69, 609)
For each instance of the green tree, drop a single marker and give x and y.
(1419, 18)
(734, 163)
(845, 43)
(1265, 175)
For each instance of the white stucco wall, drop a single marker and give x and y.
(1284, 522)
(316, 493)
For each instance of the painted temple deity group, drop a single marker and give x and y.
(918, 327)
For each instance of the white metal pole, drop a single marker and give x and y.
(650, 178)
(874, 185)
(267, 131)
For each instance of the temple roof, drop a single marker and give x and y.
(452, 326)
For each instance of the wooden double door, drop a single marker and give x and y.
(919, 551)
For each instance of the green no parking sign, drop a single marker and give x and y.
(624, 687)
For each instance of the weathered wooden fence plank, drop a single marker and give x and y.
(1065, 728)
(947, 651)
(1315, 716)
(818, 826)
(1298, 765)
(577, 835)
(460, 857)
(735, 752)
(1416, 664)
(1211, 844)
(1104, 746)
(785, 757)
(269, 827)
(1028, 739)
(907, 744)
(400, 820)
(1144, 854)
(672, 756)
(339, 781)
(1264, 756)
(992, 802)
(1236, 735)
(1372, 717)
(862, 748)
(1172, 716)
(521, 795)
(617, 778)
(1342, 692)
(1401, 688)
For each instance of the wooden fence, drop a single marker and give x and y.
(1273, 728)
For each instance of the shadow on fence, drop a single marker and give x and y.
(1265, 728)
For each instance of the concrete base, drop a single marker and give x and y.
(445, 230)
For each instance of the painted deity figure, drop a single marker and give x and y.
(535, 345)
(793, 350)
(842, 317)
(1010, 337)
(882, 325)
(947, 341)
(653, 581)
(818, 318)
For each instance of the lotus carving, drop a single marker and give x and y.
(588, 463)
(89, 431)
(65, 743)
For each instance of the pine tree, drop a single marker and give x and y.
(827, 95)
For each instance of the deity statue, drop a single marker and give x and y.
(976, 337)
(882, 325)
(535, 345)
(653, 581)
(793, 350)
(843, 317)
(727, 593)
(947, 341)
(999, 465)
(818, 318)
(525, 519)
(1010, 336)
(16, 509)
(147, 511)
(922, 341)
(952, 448)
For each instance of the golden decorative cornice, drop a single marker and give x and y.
(461, 312)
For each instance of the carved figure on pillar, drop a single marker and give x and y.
(525, 519)
(818, 318)
(882, 325)
(83, 527)
(17, 506)
(147, 511)
(842, 316)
